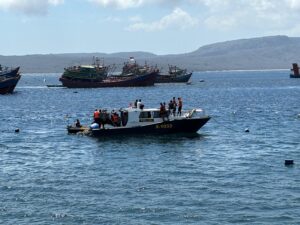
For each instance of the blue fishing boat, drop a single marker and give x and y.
(9, 78)
(174, 75)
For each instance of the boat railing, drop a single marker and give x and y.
(192, 113)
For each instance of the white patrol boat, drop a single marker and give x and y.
(147, 121)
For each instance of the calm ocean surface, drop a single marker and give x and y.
(221, 176)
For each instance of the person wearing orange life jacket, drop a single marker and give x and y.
(97, 116)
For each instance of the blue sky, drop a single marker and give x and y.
(158, 26)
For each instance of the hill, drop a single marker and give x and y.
(274, 52)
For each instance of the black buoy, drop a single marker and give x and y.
(247, 130)
(289, 162)
(17, 130)
(75, 92)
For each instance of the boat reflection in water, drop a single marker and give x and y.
(147, 121)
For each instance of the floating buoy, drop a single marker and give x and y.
(289, 162)
(75, 92)
(247, 130)
(17, 130)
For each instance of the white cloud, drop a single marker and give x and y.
(122, 4)
(29, 6)
(136, 19)
(293, 4)
(56, 2)
(178, 18)
(125, 4)
(221, 22)
(112, 19)
(215, 14)
(249, 14)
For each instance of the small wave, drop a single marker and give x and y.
(32, 87)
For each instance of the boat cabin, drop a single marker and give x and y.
(140, 117)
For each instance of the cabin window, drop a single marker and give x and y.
(156, 114)
(145, 117)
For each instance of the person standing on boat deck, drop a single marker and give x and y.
(166, 112)
(162, 111)
(135, 103)
(141, 105)
(180, 103)
(170, 107)
(77, 124)
(102, 118)
(179, 106)
(138, 104)
(174, 106)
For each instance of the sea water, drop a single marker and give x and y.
(223, 175)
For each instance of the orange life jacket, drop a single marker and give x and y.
(96, 115)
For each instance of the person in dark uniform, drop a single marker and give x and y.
(174, 106)
(77, 124)
(102, 118)
(170, 106)
(135, 103)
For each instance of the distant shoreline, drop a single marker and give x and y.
(266, 53)
(208, 71)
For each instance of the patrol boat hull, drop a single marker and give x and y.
(167, 127)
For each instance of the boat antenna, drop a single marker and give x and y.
(97, 62)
